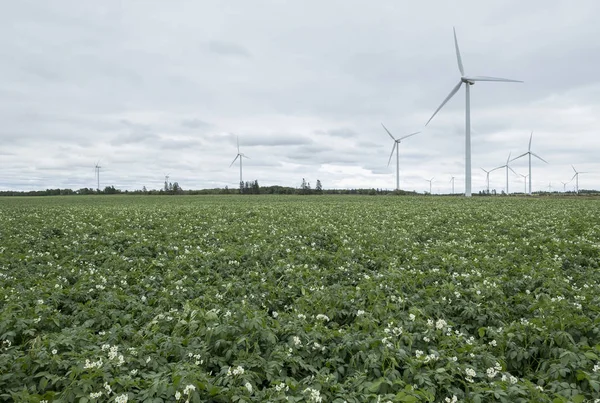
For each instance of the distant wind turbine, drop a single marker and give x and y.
(525, 177)
(565, 186)
(240, 156)
(97, 170)
(452, 180)
(397, 147)
(549, 187)
(507, 168)
(576, 177)
(430, 181)
(468, 80)
(487, 177)
(530, 153)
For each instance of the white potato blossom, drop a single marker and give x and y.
(440, 324)
(122, 398)
(596, 368)
(418, 353)
(95, 395)
(454, 399)
(412, 317)
(360, 312)
(282, 386)
(189, 389)
(297, 341)
(177, 395)
(248, 386)
(323, 317)
(239, 370)
(313, 395)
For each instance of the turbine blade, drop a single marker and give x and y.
(498, 168)
(512, 170)
(485, 78)
(236, 157)
(516, 158)
(409, 135)
(458, 58)
(484, 170)
(508, 159)
(573, 176)
(245, 156)
(388, 132)
(454, 91)
(538, 157)
(529, 149)
(574, 168)
(392, 153)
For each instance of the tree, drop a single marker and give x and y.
(319, 187)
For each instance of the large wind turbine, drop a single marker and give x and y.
(240, 156)
(507, 168)
(530, 153)
(396, 147)
(487, 177)
(430, 181)
(452, 180)
(468, 80)
(576, 177)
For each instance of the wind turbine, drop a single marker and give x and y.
(530, 153)
(507, 168)
(525, 177)
(167, 181)
(468, 80)
(487, 177)
(97, 170)
(396, 147)
(549, 187)
(576, 177)
(240, 156)
(430, 181)
(565, 186)
(452, 180)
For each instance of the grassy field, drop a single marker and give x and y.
(312, 299)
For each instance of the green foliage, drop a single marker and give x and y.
(333, 299)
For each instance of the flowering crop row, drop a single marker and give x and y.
(326, 299)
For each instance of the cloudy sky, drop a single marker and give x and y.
(156, 87)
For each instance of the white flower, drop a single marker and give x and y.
(470, 372)
(248, 386)
(453, 400)
(513, 380)
(412, 317)
(133, 372)
(54, 351)
(323, 317)
(275, 314)
(108, 388)
(122, 398)
(281, 386)
(301, 316)
(189, 389)
(418, 353)
(491, 372)
(596, 368)
(94, 395)
(360, 312)
(314, 395)
(493, 343)
(297, 341)
(40, 301)
(440, 324)
(177, 395)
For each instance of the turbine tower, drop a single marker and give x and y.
(487, 177)
(530, 153)
(576, 177)
(565, 186)
(240, 156)
(97, 170)
(396, 147)
(468, 80)
(507, 168)
(549, 187)
(430, 181)
(525, 178)
(452, 181)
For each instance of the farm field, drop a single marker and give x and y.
(299, 299)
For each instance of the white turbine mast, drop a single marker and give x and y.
(430, 182)
(468, 80)
(240, 156)
(487, 177)
(452, 181)
(97, 171)
(507, 168)
(565, 185)
(530, 153)
(576, 177)
(525, 180)
(396, 147)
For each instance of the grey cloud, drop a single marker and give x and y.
(228, 49)
(194, 124)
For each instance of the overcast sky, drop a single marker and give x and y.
(150, 88)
